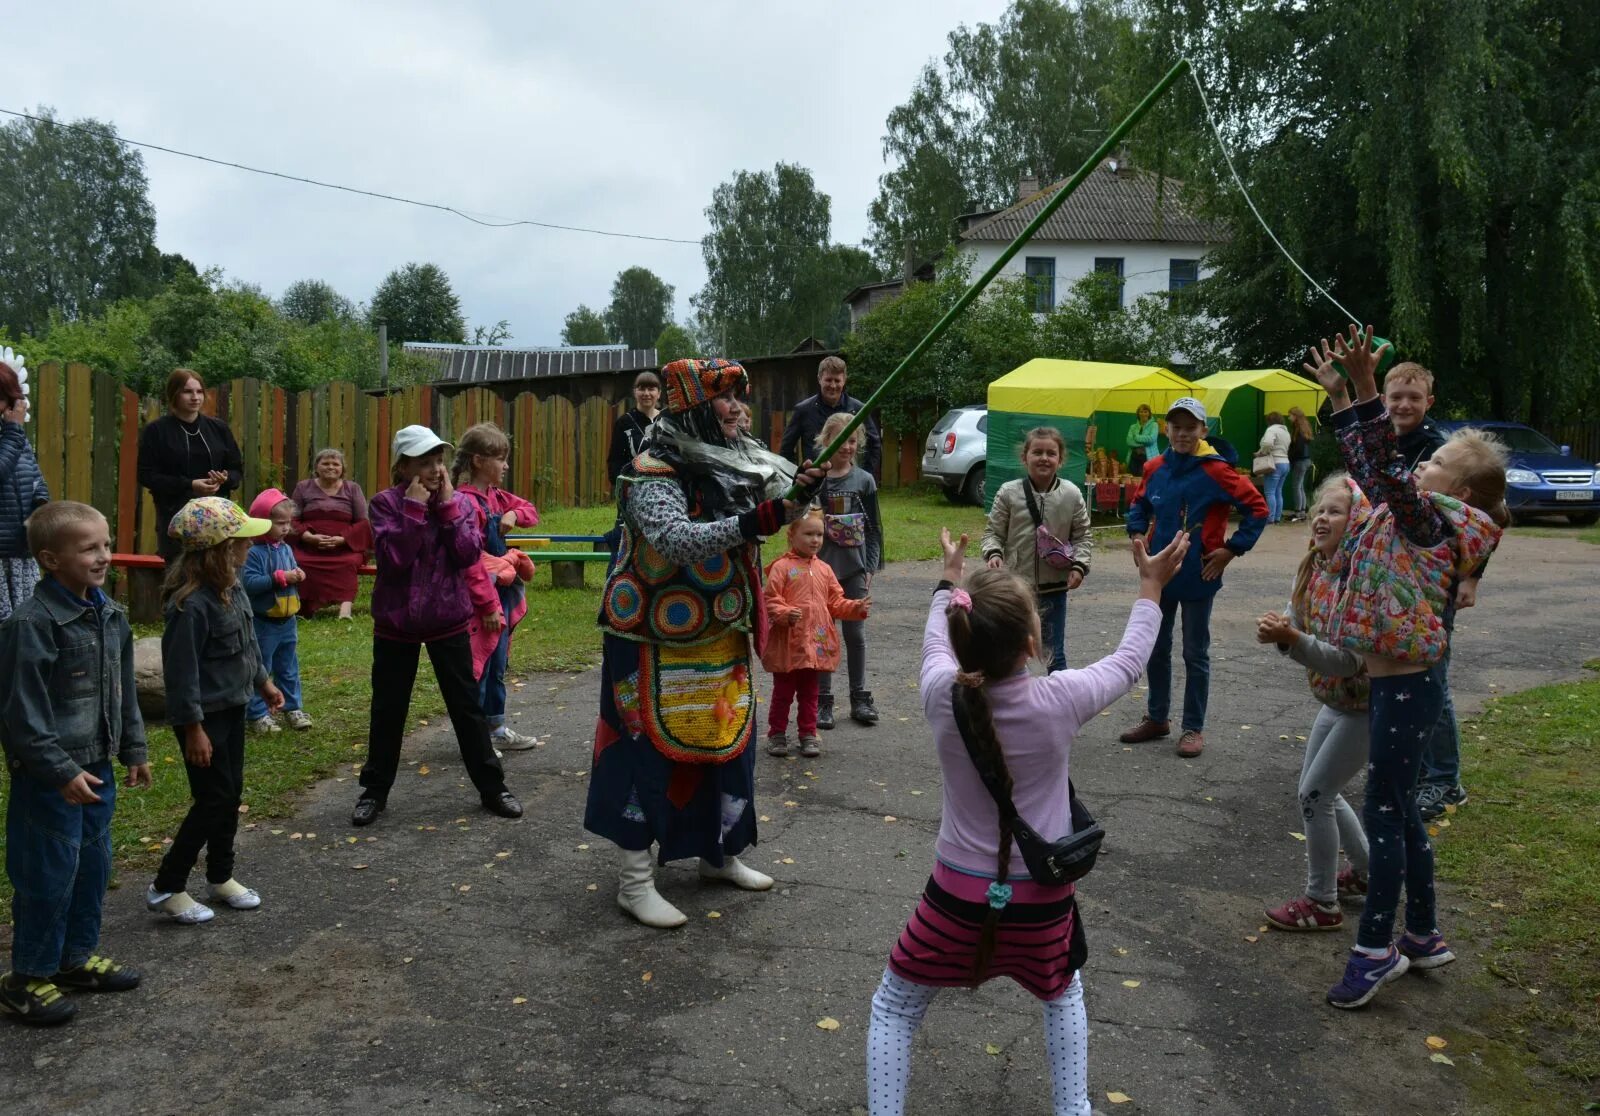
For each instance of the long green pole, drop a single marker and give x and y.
(983, 280)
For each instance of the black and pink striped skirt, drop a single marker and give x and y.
(1038, 940)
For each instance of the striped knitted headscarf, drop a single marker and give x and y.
(689, 383)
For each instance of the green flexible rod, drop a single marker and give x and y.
(983, 280)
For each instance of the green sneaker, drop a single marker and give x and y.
(37, 1003)
(98, 974)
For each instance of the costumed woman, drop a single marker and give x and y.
(673, 766)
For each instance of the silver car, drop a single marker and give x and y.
(955, 454)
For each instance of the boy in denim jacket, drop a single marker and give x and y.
(69, 705)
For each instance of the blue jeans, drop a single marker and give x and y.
(279, 641)
(492, 686)
(1402, 708)
(1272, 488)
(59, 859)
(1441, 755)
(1196, 663)
(1053, 625)
(1297, 485)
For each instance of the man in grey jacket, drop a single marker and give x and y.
(805, 421)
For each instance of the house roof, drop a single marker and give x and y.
(491, 364)
(1110, 205)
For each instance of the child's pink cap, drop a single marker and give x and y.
(261, 507)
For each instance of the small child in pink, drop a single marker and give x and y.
(803, 598)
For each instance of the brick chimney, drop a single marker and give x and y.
(1027, 186)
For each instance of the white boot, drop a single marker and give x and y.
(737, 873)
(638, 896)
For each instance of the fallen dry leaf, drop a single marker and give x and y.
(1118, 1098)
(1497, 905)
(464, 887)
(1442, 1059)
(1251, 938)
(358, 867)
(713, 914)
(311, 836)
(1119, 951)
(350, 840)
(1433, 831)
(423, 770)
(791, 804)
(916, 793)
(787, 860)
(296, 836)
(827, 1023)
(1434, 1042)
(592, 887)
(890, 818)
(647, 976)
(1298, 836)
(519, 999)
(275, 833)
(424, 724)
(501, 855)
(1444, 823)
(407, 960)
(764, 818)
(1130, 984)
(990, 1049)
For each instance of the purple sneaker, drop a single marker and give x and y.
(1364, 975)
(1426, 953)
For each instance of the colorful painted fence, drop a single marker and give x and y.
(85, 430)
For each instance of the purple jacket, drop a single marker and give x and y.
(424, 552)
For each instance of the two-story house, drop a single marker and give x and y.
(1127, 222)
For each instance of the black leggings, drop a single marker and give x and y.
(394, 674)
(1400, 717)
(213, 817)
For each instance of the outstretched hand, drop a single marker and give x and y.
(1360, 361)
(1319, 366)
(955, 554)
(1155, 570)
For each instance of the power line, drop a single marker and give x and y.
(495, 223)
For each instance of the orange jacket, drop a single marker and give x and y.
(812, 641)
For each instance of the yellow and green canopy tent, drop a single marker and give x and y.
(1072, 396)
(1240, 400)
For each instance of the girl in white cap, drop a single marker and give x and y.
(427, 541)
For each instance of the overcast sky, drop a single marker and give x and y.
(616, 116)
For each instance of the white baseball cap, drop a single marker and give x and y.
(1189, 405)
(417, 441)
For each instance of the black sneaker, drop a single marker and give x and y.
(98, 974)
(825, 711)
(862, 711)
(503, 803)
(37, 1003)
(1432, 798)
(368, 807)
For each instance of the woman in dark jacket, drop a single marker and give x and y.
(628, 432)
(184, 454)
(22, 490)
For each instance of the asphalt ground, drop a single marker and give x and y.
(444, 960)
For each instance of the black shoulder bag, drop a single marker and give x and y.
(1049, 862)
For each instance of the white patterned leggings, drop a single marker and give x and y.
(898, 1008)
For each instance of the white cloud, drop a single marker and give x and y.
(617, 116)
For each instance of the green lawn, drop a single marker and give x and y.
(1550, 530)
(1524, 856)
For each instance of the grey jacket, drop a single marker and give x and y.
(22, 489)
(209, 655)
(69, 696)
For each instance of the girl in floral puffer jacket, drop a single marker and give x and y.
(803, 598)
(1337, 748)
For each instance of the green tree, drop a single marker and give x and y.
(419, 305)
(309, 301)
(77, 230)
(1031, 94)
(497, 334)
(1446, 189)
(585, 327)
(641, 307)
(674, 343)
(772, 276)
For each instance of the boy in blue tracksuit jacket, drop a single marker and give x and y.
(1190, 487)
(269, 578)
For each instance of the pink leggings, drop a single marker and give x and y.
(786, 686)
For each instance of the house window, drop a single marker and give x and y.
(1182, 273)
(1111, 265)
(1042, 271)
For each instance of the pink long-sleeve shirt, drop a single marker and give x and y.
(1035, 720)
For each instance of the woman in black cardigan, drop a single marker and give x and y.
(184, 454)
(628, 432)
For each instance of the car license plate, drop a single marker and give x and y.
(1584, 495)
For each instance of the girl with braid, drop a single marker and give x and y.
(976, 920)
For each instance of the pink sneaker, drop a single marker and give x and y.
(1352, 884)
(1305, 913)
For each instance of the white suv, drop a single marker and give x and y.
(956, 451)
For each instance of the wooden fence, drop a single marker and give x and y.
(85, 430)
